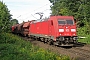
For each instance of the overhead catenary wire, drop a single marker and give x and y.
(33, 10)
(32, 15)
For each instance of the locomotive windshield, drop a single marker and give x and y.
(61, 22)
(64, 22)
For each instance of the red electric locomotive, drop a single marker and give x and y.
(58, 30)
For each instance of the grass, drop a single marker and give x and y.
(15, 48)
(85, 40)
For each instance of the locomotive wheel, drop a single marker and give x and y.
(50, 42)
(45, 40)
(42, 39)
(36, 38)
(55, 43)
(75, 41)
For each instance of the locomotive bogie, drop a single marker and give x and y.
(66, 40)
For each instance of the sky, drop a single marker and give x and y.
(25, 10)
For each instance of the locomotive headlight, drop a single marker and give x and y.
(73, 30)
(61, 30)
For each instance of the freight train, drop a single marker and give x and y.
(56, 30)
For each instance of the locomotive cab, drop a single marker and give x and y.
(65, 28)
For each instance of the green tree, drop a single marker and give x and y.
(14, 21)
(5, 17)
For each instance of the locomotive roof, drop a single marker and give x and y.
(52, 17)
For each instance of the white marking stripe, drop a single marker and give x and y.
(61, 30)
(73, 30)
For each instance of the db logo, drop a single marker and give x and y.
(67, 30)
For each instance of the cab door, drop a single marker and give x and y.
(50, 27)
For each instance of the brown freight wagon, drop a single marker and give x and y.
(25, 29)
(20, 28)
(16, 29)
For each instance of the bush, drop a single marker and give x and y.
(15, 48)
(86, 40)
(84, 32)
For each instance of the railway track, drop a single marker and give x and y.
(87, 45)
(85, 54)
(79, 53)
(83, 50)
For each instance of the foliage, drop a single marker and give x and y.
(15, 48)
(84, 32)
(85, 40)
(14, 22)
(5, 17)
